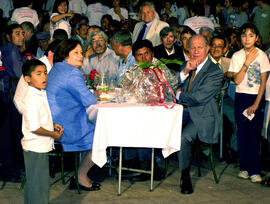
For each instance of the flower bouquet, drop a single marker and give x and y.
(93, 80)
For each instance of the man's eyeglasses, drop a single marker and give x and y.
(98, 40)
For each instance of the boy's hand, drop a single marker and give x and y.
(59, 131)
(58, 128)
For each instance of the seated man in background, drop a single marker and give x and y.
(201, 82)
(168, 50)
(217, 51)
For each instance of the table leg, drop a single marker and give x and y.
(120, 172)
(152, 170)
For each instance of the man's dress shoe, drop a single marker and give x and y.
(186, 186)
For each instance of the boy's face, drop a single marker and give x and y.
(38, 78)
(248, 39)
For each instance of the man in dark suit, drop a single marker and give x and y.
(168, 50)
(201, 82)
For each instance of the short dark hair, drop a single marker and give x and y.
(11, 27)
(249, 26)
(63, 49)
(30, 65)
(57, 3)
(123, 37)
(140, 44)
(60, 34)
(166, 30)
(52, 46)
(108, 16)
(79, 25)
(187, 30)
(221, 37)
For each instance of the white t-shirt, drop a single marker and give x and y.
(78, 6)
(23, 14)
(124, 13)
(36, 113)
(252, 79)
(61, 24)
(196, 22)
(95, 12)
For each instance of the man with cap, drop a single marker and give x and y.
(43, 39)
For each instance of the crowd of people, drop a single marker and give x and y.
(200, 48)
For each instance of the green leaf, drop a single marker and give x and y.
(173, 61)
(144, 65)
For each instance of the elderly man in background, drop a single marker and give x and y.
(105, 60)
(150, 26)
(201, 82)
(168, 50)
(217, 51)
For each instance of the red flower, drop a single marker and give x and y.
(93, 73)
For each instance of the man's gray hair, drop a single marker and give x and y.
(204, 28)
(28, 26)
(98, 32)
(123, 37)
(206, 43)
(147, 3)
(166, 30)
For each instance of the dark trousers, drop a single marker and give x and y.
(189, 136)
(248, 133)
(37, 186)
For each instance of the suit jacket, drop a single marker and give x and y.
(201, 101)
(153, 33)
(160, 52)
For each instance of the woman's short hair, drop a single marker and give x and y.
(63, 49)
(57, 3)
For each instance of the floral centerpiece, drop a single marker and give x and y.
(93, 80)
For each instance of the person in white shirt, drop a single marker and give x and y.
(6, 6)
(248, 69)
(25, 13)
(118, 13)
(60, 17)
(77, 6)
(95, 11)
(39, 133)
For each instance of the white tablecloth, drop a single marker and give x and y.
(133, 125)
